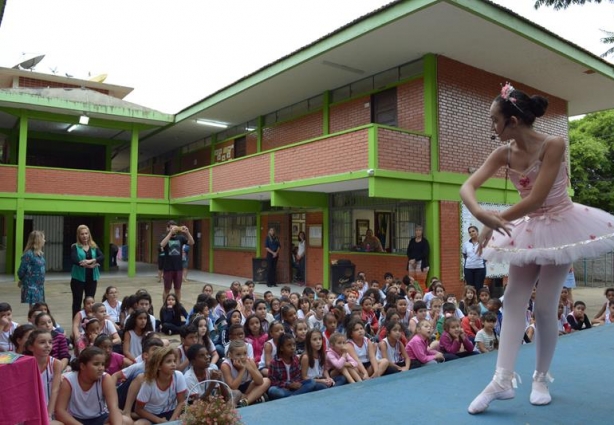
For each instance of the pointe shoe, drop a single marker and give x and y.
(540, 395)
(502, 387)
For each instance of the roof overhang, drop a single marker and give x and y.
(478, 33)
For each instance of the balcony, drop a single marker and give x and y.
(344, 156)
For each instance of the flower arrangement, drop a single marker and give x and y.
(212, 411)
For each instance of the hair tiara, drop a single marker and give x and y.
(506, 94)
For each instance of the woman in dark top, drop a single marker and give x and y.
(272, 247)
(86, 259)
(418, 257)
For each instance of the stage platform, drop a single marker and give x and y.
(583, 369)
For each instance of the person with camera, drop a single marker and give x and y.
(172, 244)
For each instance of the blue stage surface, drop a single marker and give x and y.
(583, 369)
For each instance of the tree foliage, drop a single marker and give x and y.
(591, 151)
(563, 4)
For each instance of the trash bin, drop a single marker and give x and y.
(124, 252)
(342, 273)
(259, 270)
(496, 287)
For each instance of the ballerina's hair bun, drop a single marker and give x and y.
(539, 104)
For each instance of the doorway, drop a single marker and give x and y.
(197, 248)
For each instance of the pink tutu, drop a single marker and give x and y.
(560, 232)
(554, 238)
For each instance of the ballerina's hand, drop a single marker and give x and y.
(483, 239)
(495, 222)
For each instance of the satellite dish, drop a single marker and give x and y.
(30, 63)
(99, 78)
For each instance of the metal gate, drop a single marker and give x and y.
(53, 227)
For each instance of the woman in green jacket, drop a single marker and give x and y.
(86, 259)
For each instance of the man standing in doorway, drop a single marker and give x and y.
(172, 245)
(272, 247)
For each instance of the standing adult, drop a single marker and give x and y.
(272, 247)
(418, 257)
(300, 257)
(86, 259)
(172, 245)
(475, 267)
(31, 271)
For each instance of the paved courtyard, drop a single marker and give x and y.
(59, 297)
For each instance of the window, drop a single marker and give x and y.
(384, 107)
(393, 222)
(235, 231)
(240, 147)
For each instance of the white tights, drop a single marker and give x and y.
(520, 284)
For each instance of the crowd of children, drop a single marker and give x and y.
(262, 348)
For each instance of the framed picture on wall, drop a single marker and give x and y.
(361, 230)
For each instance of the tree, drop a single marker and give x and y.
(591, 151)
(564, 4)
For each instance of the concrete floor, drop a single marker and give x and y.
(59, 296)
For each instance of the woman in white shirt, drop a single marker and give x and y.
(300, 257)
(475, 268)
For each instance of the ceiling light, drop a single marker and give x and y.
(212, 123)
(72, 127)
(249, 128)
(84, 120)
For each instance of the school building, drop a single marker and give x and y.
(375, 125)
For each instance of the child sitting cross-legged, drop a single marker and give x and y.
(454, 343)
(285, 371)
(242, 374)
(418, 346)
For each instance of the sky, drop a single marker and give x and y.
(174, 53)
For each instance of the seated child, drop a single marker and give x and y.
(163, 393)
(339, 361)
(7, 327)
(471, 323)
(418, 346)
(391, 348)
(486, 338)
(578, 320)
(285, 371)
(242, 374)
(454, 343)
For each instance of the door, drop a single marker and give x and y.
(197, 248)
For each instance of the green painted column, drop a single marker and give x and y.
(433, 216)
(259, 133)
(431, 107)
(258, 236)
(9, 220)
(325, 249)
(106, 243)
(132, 224)
(326, 113)
(21, 188)
(211, 236)
(432, 232)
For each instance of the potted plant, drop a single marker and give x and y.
(213, 410)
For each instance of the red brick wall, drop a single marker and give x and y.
(297, 130)
(251, 143)
(465, 94)
(195, 159)
(63, 182)
(335, 155)
(246, 172)
(450, 252)
(349, 114)
(28, 82)
(8, 179)
(374, 265)
(313, 258)
(403, 152)
(150, 187)
(234, 263)
(410, 105)
(190, 184)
